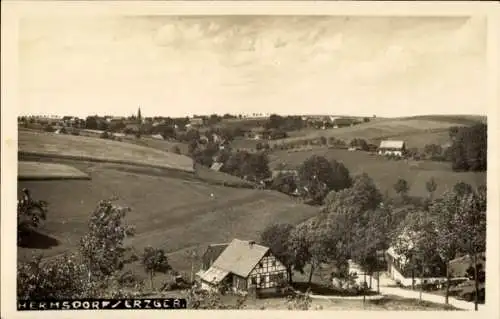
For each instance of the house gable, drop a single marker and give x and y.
(269, 272)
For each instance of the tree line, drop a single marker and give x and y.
(358, 223)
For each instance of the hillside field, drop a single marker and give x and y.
(81, 147)
(169, 213)
(385, 172)
(415, 131)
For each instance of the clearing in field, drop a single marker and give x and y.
(96, 149)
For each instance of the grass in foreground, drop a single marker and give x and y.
(100, 149)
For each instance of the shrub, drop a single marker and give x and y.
(175, 149)
(49, 129)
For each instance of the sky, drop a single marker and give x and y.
(177, 66)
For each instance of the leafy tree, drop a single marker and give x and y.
(359, 142)
(363, 195)
(318, 176)
(102, 247)
(402, 188)
(431, 187)
(92, 272)
(175, 149)
(371, 234)
(30, 213)
(416, 241)
(469, 148)
(61, 278)
(91, 123)
(284, 183)
(257, 167)
(276, 237)
(154, 260)
(323, 140)
(433, 151)
(472, 226)
(299, 246)
(462, 188)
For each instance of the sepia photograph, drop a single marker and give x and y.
(252, 162)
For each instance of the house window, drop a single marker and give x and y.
(254, 280)
(273, 263)
(260, 265)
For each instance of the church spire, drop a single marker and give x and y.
(139, 116)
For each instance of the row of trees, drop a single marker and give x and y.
(453, 225)
(353, 224)
(358, 222)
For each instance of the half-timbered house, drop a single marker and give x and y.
(243, 266)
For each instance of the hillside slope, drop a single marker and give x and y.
(80, 147)
(416, 131)
(169, 213)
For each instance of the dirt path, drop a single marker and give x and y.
(385, 282)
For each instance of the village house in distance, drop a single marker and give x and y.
(242, 266)
(396, 148)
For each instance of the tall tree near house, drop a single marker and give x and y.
(373, 225)
(276, 237)
(417, 241)
(102, 248)
(444, 212)
(299, 246)
(154, 260)
(471, 223)
(346, 208)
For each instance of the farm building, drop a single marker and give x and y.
(242, 266)
(342, 122)
(397, 148)
(196, 122)
(399, 270)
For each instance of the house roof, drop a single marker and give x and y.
(214, 275)
(216, 166)
(392, 144)
(240, 257)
